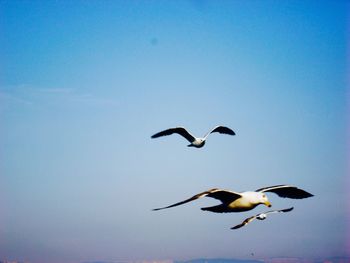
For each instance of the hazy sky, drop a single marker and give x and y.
(84, 84)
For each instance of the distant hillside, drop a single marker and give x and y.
(219, 260)
(269, 260)
(234, 260)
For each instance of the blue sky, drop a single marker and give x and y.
(84, 84)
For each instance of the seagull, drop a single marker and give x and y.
(244, 201)
(194, 141)
(261, 216)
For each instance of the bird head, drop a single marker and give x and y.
(264, 200)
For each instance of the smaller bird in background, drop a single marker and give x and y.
(197, 142)
(261, 216)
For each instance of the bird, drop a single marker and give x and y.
(197, 142)
(261, 216)
(244, 201)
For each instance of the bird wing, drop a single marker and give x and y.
(221, 129)
(197, 196)
(179, 130)
(280, 211)
(286, 191)
(224, 196)
(216, 193)
(245, 222)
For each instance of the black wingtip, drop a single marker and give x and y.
(231, 133)
(287, 209)
(307, 195)
(236, 227)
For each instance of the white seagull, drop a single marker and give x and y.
(261, 216)
(194, 141)
(239, 202)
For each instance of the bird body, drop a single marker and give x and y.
(197, 142)
(248, 201)
(261, 216)
(245, 201)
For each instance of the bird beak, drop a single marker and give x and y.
(268, 204)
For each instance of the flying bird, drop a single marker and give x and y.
(261, 216)
(244, 201)
(197, 142)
